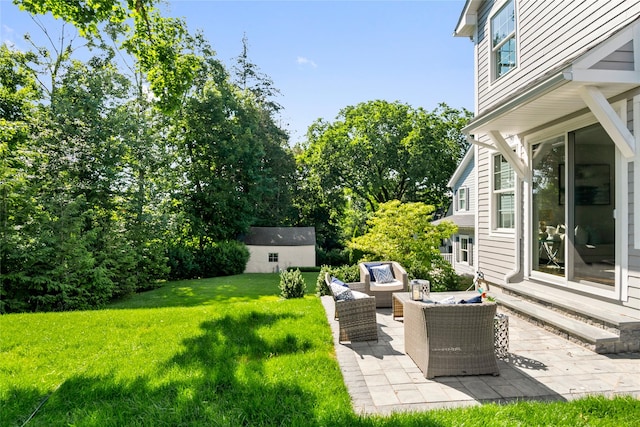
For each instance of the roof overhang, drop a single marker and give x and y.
(457, 174)
(590, 83)
(551, 100)
(468, 19)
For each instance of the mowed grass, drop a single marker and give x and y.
(223, 351)
(214, 352)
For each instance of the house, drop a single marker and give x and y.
(459, 248)
(272, 249)
(555, 136)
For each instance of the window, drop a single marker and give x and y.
(503, 192)
(273, 257)
(464, 249)
(462, 199)
(503, 40)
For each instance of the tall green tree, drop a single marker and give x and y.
(278, 169)
(383, 151)
(18, 92)
(375, 152)
(161, 45)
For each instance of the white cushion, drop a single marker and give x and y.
(359, 295)
(396, 285)
(383, 273)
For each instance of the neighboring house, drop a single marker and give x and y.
(273, 249)
(459, 249)
(556, 131)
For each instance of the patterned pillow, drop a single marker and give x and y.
(339, 282)
(341, 293)
(383, 274)
(372, 276)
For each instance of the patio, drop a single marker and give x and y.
(541, 366)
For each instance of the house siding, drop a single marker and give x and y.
(548, 34)
(497, 257)
(288, 256)
(468, 180)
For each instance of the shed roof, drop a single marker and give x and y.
(281, 236)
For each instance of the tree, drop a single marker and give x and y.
(161, 45)
(373, 153)
(18, 91)
(383, 151)
(403, 232)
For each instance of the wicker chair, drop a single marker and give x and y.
(356, 318)
(450, 339)
(383, 291)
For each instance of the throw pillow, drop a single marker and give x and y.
(339, 282)
(383, 274)
(372, 276)
(474, 300)
(341, 293)
(359, 295)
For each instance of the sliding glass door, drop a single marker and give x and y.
(549, 207)
(573, 207)
(592, 206)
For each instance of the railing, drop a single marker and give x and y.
(447, 257)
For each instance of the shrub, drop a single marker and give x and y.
(335, 256)
(346, 273)
(292, 284)
(213, 260)
(182, 263)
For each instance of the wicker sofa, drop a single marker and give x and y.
(451, 339)
(383, 291)
(356, 318)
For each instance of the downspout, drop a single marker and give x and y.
(509, 276)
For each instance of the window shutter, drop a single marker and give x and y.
(470, 246)
(455, 201)
(456, 247)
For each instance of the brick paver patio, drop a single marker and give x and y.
(381, 378)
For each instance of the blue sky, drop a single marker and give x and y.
(326, 55)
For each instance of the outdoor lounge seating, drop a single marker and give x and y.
(383, 290)
(357, 316)
(451, 339)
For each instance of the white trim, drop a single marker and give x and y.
(494, 78)
(622, 226)
(476, 221)
(610, 45)
(621, 250)
(459, 250)
(464, 199)
(503, 147)
(457, 174)
(609, 120)
(636, 173)
(605, 76)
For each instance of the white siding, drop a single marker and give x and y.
(548, 34)
(496, 253)
(468, 180)
(288, 256)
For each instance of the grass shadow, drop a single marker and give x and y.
(219, 377)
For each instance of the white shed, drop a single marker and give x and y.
(273, 249)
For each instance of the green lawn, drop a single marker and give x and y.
(224, 352)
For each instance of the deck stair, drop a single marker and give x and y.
(599, 324)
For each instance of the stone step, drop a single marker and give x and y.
(594, 337)
(601, 313)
